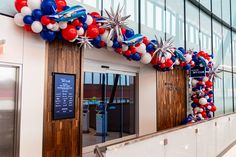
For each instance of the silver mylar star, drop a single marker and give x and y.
(214, 73)
(162, 48)
(115, 22)
(84, 42)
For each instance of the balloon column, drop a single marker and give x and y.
(53, 19)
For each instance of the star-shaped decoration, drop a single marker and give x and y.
(163, 48)
(84, 42)
(115, 22)
(214, 73)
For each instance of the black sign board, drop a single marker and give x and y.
(63, 96)
(197, 72)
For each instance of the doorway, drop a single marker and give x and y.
(9, 111)
(108, 106)
(171, 98)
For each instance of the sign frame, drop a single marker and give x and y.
(199, 76)
(54, 116)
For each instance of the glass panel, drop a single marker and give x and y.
(7, 110)
(7, 7)
(175, 21)
(206, 3)
(234, 52)
(96, 78)
(218, 96)
(228, 92)
(91, 5)
(234, 92)
(217, 42)
(130, 8)
(152, 18)
(226, 11)
(192, 26)
(227, 49)
(233, 16)
(216, 7)
(205, 35)
(88, 79)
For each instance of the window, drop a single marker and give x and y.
(226, 11)
(7, 7)
(205, 35)
(206, 3)
(216, 7)
(233, 16)
(228, 96)
(88, 79)
(227, 49)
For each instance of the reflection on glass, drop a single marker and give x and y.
(152, 18)
(218, 96)
(192, 26)
(217, 42)
(227, 49)
(130, 8)
(205, 35)
(234, 76)
(228, 95)
(108, 107)
(226, 11)
(91, 5)
(233, 12)
(175, 21)
(216, 7)
(234, 53)
(206, 3)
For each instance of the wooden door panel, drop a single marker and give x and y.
(171, 98)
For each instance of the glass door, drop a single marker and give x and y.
(108, 107)
(8, 111)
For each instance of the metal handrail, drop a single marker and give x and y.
(98, 152)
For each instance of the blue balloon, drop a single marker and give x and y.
(83, 18)
(211, 92)
(129, 33)
(59, 36)
(65, 8)
(37, 14)
(182, 50)
(136, 57)
(28, 20)
(209, 100)
(48, 35)
(150, 47)
(77, 27)
(187, 67)
(96, 40)
(48, 7)
(173, 59)
(85, 26)
(115, 44)
(193, 105)
(154, 41)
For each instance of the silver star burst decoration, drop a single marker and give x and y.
(115, 22)
(214, 73)
(163, 48)
(84, 42)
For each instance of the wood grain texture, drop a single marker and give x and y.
(171, 98)
(62, 137)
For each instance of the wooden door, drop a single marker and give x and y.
(171, 98)
(62, 138)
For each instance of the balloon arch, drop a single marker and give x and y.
(53, 19)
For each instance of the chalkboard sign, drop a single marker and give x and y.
(197, 72)
(63, 96)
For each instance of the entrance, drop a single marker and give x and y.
(8, 111)
(171, 98)
(108, 106)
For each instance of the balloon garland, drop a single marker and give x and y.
(53, 19)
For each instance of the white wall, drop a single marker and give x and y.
(28, 50)
(146, 84)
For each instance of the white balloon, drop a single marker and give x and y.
(141, 48)
(80, 31)
(120, 39)
(26, 11)
(125, 47)
(18, 19)
(188, 57)
(36, 27)
(209, 107)
(202, 101)
(168, 55)
(163, 60)
(177, 62)
(62, 25)
(104, 36)
(109, 43)
(89, 20)
(49, 26)
(194, 82)
(34, 4)
(55, 27)
(146, 58)
(205, 79)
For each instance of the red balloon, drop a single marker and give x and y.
(204, 114)
(209, 84)
(28, 28)
(20, 4)
(169, 63)
(70, 33)
(123, 30)
(102, 30)
(92, 31)
(102, 44)
(118, 50)
(45, 20)
(95, 14)
(145, 41)
(213, 108)
(163, 65)
(60, 4)
(76, 22)
(133, 50)
(128, 53)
